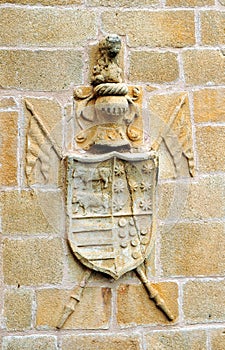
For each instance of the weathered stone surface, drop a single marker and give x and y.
(44, 2)
(213, 27)
(8, 148)
(191, 3)
(18, 309)
(45, 167)
(131, 24)
(32, 261)
(209, 105)
(7, 102)
(176, 152)
(217, 339)
(75, 268)
(34, 342)
(190, 200)
(153, 67)
(193, 249)
(204, 67)
(39, 27)
(176, 340)
(204, 302)
(31, 212)
(39, 69)
(103, 342)
(135, 308)
(210, 148)
(92, 312)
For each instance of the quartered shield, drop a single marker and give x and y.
(111, 208)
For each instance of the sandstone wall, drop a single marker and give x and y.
(170, 48)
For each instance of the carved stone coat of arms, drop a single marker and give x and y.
(110, 205)
(111, 175)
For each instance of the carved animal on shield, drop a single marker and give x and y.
(98, 174)
(93, 201)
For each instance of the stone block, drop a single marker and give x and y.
(193, 249)
(18, 309)
(32, 261)
(212, 28)
(153, 67)
(131, 24)
(210, 148)
(7, 103)
(39, 27)
(176, 340)
(8, 148)
(204, 301)
(204, 67)
(209, 105)
(192, 200)
(134, 307)
(217, 339)
(28, 342)
(31, 212)
(40, 70)
(191, 3)
(103, 342)
(92, 312)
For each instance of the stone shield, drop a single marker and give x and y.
(111, 209)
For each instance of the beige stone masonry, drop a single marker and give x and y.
(131, 24)
(176, 340)
(204, 302)
(18, 309)
(134, 307)
(210, 153)
(40, 69)
(18, 210)
(44, 2)
(217, 339)
(7, 103)
(209, 105)
(191, 3)
(192, 200)
(92, 312)
(206, 67)
(213, 28)
(32, 261)
(40, 27)
(28, 342)
(8, 148)
(193, 249)
(153, 67)
(103, 342)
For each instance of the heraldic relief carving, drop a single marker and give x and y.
(111, 175)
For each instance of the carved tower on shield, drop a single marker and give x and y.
(111, 179)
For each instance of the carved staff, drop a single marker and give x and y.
(30, 108)
(165, 129)
(74, 299)
(153, 293)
